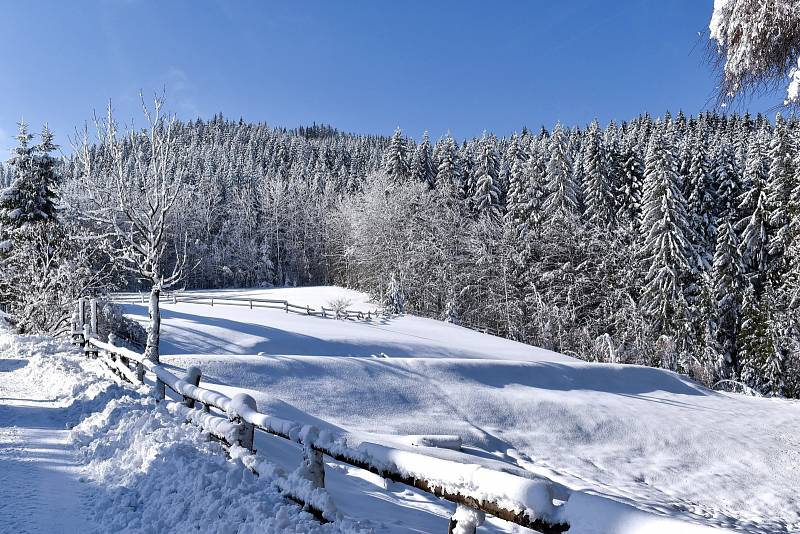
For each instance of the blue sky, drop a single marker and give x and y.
(368, 67)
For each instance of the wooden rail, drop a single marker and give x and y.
(524, 501)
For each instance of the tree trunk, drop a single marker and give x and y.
(154, 328)
(154, 335)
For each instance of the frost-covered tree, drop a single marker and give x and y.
(131, 200)
(632, 183)
(486, 195)
(31, 198)
(597, 185)
(517, 201)
(758, 45)
(779, 191)
(754, 213)
(396, 158)
(446, 160)
(422, 163)
(562, 194)
(663, 244)
(727, 279)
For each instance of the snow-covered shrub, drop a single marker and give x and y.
(395, 300)
(111, 320)
(339, 305)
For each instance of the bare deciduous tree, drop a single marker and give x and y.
(129, 198)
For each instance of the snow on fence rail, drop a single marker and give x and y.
(475, 489)
(277, 304)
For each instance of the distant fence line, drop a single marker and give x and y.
(475, 489)
(277, 304)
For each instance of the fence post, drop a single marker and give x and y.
(313, 466)
(193, 375)
(174, 298)
(323, 312)
(93, 316)
(239, 403)
(465, 520)
(251, 304)
(308, 310)
(140, 372)
(81, 314)
(87, 352)
(286, 306)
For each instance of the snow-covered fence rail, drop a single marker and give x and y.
(252, 303)
(475, 489)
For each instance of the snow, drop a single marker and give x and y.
(793, 92)
(647, 438)
(126, 465)
(606, 448)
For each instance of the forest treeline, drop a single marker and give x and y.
(671, 242)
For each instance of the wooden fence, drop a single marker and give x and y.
(277, 304)
(476, 490)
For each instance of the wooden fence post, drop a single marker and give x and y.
(313, 466)
(86, 347)
(247, 435)
(465, 520)
(286, 306)
(193, 375)
(93, 316)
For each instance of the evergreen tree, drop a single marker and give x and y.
(700, 203)
(395, 162)
(486, 196)
(422, 163)
(632, 171)
(517, 201)
(779, 194)
(446, 158)
(663, 245)
(754, 222)
(726, 276)
(562, 195)
(597, 185)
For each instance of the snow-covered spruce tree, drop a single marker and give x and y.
(700, 195)
(396, 158)
(754, 222)
(31, 197)
(727, 279)
(486, 195)
(632, 182)
(663, 244)
(779, 191)
(517, 201)
(758, 45)
(597, 185)
(535, 177)
(726, 180)
(446, 160)
(562, 193)
(422, 163)
(130, 202)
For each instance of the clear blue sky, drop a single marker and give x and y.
(361, 66)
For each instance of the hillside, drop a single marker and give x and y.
(645, 436)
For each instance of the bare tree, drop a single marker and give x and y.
(757, 46)
(131, 182)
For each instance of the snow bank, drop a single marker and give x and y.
(154, 474)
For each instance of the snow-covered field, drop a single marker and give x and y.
(643, 436)
(81, 453)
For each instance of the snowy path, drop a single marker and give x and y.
(40, 488)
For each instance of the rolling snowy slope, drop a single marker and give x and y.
(644, 436)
